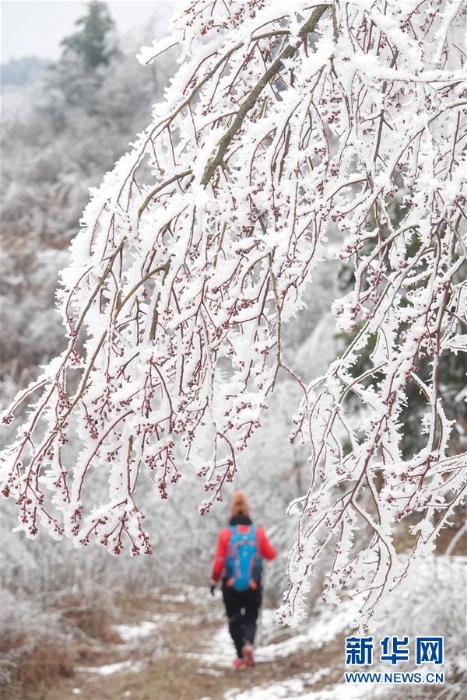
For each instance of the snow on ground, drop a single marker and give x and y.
(329, 623)
(326, 627)
(132, 636)
(295, 690)
(109, 669)
(130, 633)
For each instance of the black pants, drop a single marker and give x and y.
(242, 608)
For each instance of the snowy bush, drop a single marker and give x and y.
(34, 648)
(431, 601)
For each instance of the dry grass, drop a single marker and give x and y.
(94, 617)
(176, 676)
(28, 670)
(39, 647)
(171, 668)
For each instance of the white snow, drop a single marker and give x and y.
(328, 625)
(131, 632)
(295, 689)
(110, 669)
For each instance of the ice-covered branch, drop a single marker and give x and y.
(337, 129)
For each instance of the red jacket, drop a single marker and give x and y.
(265, 548)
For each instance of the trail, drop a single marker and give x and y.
(175, 646)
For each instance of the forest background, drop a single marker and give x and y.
(64, 124)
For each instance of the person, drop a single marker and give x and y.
(241, 548)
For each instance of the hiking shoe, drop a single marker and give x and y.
(247, 653)
(238, 663)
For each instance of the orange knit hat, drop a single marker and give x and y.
(239, 504)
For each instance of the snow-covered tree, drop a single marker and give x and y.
(73, 124)
(284, 137)
(94, 42)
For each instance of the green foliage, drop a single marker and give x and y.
(94, 43)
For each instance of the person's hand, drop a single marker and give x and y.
(212, 587)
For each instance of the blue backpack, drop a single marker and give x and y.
(243, 562)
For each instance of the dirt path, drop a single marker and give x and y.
(176, 647)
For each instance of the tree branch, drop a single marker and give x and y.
(251, 100)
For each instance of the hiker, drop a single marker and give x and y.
(241, 548)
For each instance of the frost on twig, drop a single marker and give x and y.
(287, 129)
